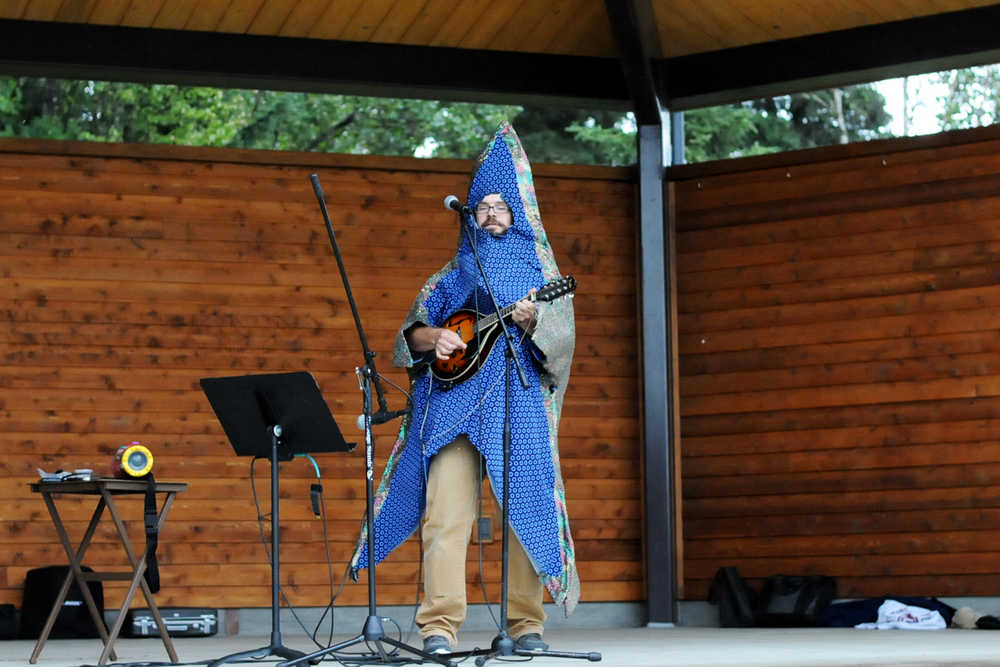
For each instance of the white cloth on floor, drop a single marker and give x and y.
(894, 615)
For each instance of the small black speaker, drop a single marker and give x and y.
(41, 586)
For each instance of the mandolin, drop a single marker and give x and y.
(463, 364)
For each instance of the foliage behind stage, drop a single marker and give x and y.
(272, 120)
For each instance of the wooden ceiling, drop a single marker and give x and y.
(566, 27)
(569, 33)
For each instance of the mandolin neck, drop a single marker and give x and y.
(491, 319)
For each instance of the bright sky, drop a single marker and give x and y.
(922, 92)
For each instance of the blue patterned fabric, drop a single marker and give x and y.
(515, 263)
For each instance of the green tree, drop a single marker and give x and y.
(821, 118)
(972, 98)
(615, 144)
(715, 133)
(767, 125)
(571, 136)
(40, 108)
(102, 111)
(201, 116)
(344, 124)
(272, 120)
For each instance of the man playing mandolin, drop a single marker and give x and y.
(454, 425)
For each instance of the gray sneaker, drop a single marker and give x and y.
(436, 645)
(531, 642)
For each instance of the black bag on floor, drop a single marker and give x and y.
(788, 601)
(737, 601)
(9, 625)
(41, 586)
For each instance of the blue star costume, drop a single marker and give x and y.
(515, 263)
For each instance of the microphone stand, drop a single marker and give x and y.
(503, 644)
(372, 634)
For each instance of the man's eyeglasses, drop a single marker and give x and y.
(499, 209)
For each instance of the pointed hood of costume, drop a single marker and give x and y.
(520, 259)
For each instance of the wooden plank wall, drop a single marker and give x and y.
(130, 272)
(840, 382)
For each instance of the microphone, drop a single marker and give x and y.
(379, 417)
(452, 202)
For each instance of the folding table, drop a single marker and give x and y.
(107, 489)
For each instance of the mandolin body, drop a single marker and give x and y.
(463, 364)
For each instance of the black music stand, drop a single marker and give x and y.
(277, 416)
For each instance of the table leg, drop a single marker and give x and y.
(76, 573)
(120, 620)
(137, 581)
(155, 611)
(52, 618)
(168, 502)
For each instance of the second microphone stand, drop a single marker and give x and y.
(503, 645)
(372, 633)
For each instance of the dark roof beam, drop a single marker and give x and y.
(113, 53)
(634, 28)
(844, 57)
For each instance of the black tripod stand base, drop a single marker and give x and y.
(372, 635)
(379, 657)
(262, 652)
(503, 646)
(489, 654)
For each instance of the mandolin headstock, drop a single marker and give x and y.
(556, 288)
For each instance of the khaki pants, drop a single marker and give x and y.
(451, 512)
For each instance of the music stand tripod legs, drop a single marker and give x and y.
(275, 647)
(274, 415)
